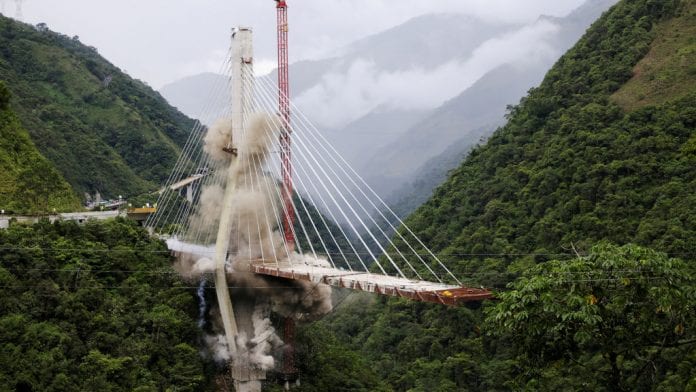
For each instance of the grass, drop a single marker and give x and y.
(668, 71)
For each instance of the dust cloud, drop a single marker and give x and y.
(255, 237)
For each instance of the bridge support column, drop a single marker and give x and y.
(189, 193)
(245, 378)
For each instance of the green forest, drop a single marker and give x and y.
(579, 213)
(95, 308)
(591, 181)
(28, 182)
(101, 129)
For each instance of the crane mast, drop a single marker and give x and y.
(289, 369)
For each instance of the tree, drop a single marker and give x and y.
(614, 317)
(4, 96)
(78, 304)
(36, 184)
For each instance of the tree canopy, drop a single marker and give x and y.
(28, 181)
(570, 169)
(625, 314)
(95, 307)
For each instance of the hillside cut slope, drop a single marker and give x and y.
(572, 168)
(101, 129)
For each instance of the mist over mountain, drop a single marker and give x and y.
(193, 95)
(413, 66)
(419, 45)
(464, 120)
(587, 187)
(393, 101)
(476, 112)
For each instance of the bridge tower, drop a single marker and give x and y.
(246, 378)
(284, 111)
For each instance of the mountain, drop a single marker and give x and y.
(571, 165)
(101, 129)
(405, 199)
(476, 112)
(426, 41)
(381, 94)
(462, 121)
(28, 182)
(425, 69)
(194, 95)
(381, 86)
(359, 139)
(601, 152)
(326, 89)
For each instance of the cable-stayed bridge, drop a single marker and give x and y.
(268, 197)
(372, 249)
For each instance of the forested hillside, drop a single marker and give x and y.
(571, 166)
(28, 182)
(100, 128)
(572, 170)
(95, 308)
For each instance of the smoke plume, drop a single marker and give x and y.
(255, 237)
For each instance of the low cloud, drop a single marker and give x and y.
(347, 94)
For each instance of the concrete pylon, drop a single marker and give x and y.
(189, 193)
(246, 377)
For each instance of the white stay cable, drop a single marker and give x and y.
(345, 215)
(202, 163)
(301, 146)
(329, 210)
(286, 213)
(278, 220)
(333, 154)
(192, 143)
(164, 198)
(217, 178)
(194, 137)
(357, 201)
(277, 123)
(284, 207)
(258, 171)
(268, 102)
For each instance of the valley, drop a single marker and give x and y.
(455, 203)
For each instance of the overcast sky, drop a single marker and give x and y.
(160, 41)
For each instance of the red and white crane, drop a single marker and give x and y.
(290, 373)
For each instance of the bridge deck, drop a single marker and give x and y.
(417, 290)
(184, 182)
(374, 283)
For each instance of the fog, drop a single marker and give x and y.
(160, 41)
(345, 96)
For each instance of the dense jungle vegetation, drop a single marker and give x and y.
(587, 159)
(95, 308)
(580, 213)
(101, 129)
(99, 307)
